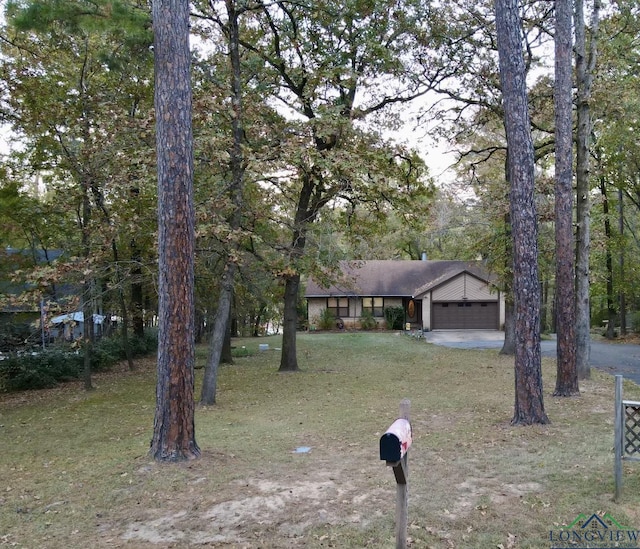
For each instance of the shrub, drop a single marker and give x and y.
(46, 368)
(240, 352)
(394, 317)
(147, 344)
(367, 320)
(109, 351)
(39, 370)
(327, 320)
(14, 336)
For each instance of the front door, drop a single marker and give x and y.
(413, 311)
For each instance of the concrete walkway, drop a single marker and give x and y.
(610, 357)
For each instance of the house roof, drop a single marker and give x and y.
(76, 317)
(387, 278)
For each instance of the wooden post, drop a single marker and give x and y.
(619, 433)
(402, 501)
(394, 448)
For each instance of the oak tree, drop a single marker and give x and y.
(333, 66)
(236, 170)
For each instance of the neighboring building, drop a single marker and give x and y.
(21, 310)
(435, 295)
(23, 307)
(70, 327)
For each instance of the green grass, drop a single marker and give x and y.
(74, 469)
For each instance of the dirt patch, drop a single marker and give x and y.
(473, 491)
(257, 511)
(285, 509)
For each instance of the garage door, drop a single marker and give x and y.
(464, 315)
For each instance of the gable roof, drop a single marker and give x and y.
(454, 273)
(394, 278)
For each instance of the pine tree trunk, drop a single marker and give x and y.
(584, 79)
(529, 404)
(566, 372)
(622, 302)
(611, 311)
(544, 308)
(137, 293)
(87, 292)
(174, 425)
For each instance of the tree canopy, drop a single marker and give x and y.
(322, 87)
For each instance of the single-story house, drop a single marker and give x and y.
(24, 308)
(435, 295)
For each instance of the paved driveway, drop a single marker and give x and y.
(612, 358)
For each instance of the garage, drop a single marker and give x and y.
(465, 315)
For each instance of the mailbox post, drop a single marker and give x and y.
(394, 447)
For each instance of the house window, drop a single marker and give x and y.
(375, 305)
(339, 306)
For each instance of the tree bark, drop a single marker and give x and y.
(226, 357)
(584, 79)
(544, 310)
(87, 292)
(257, 319)
(123, 306)
(289, 358)
(529, 404)
(611, 311)
(509, 345)
(307, 210)
(174, 425)
(87, 333)
(126, 343)
(566, 372)
(220, 324)
(137, 292)
(622, 301)
(208, 394)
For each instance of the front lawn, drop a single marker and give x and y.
(291, 460)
